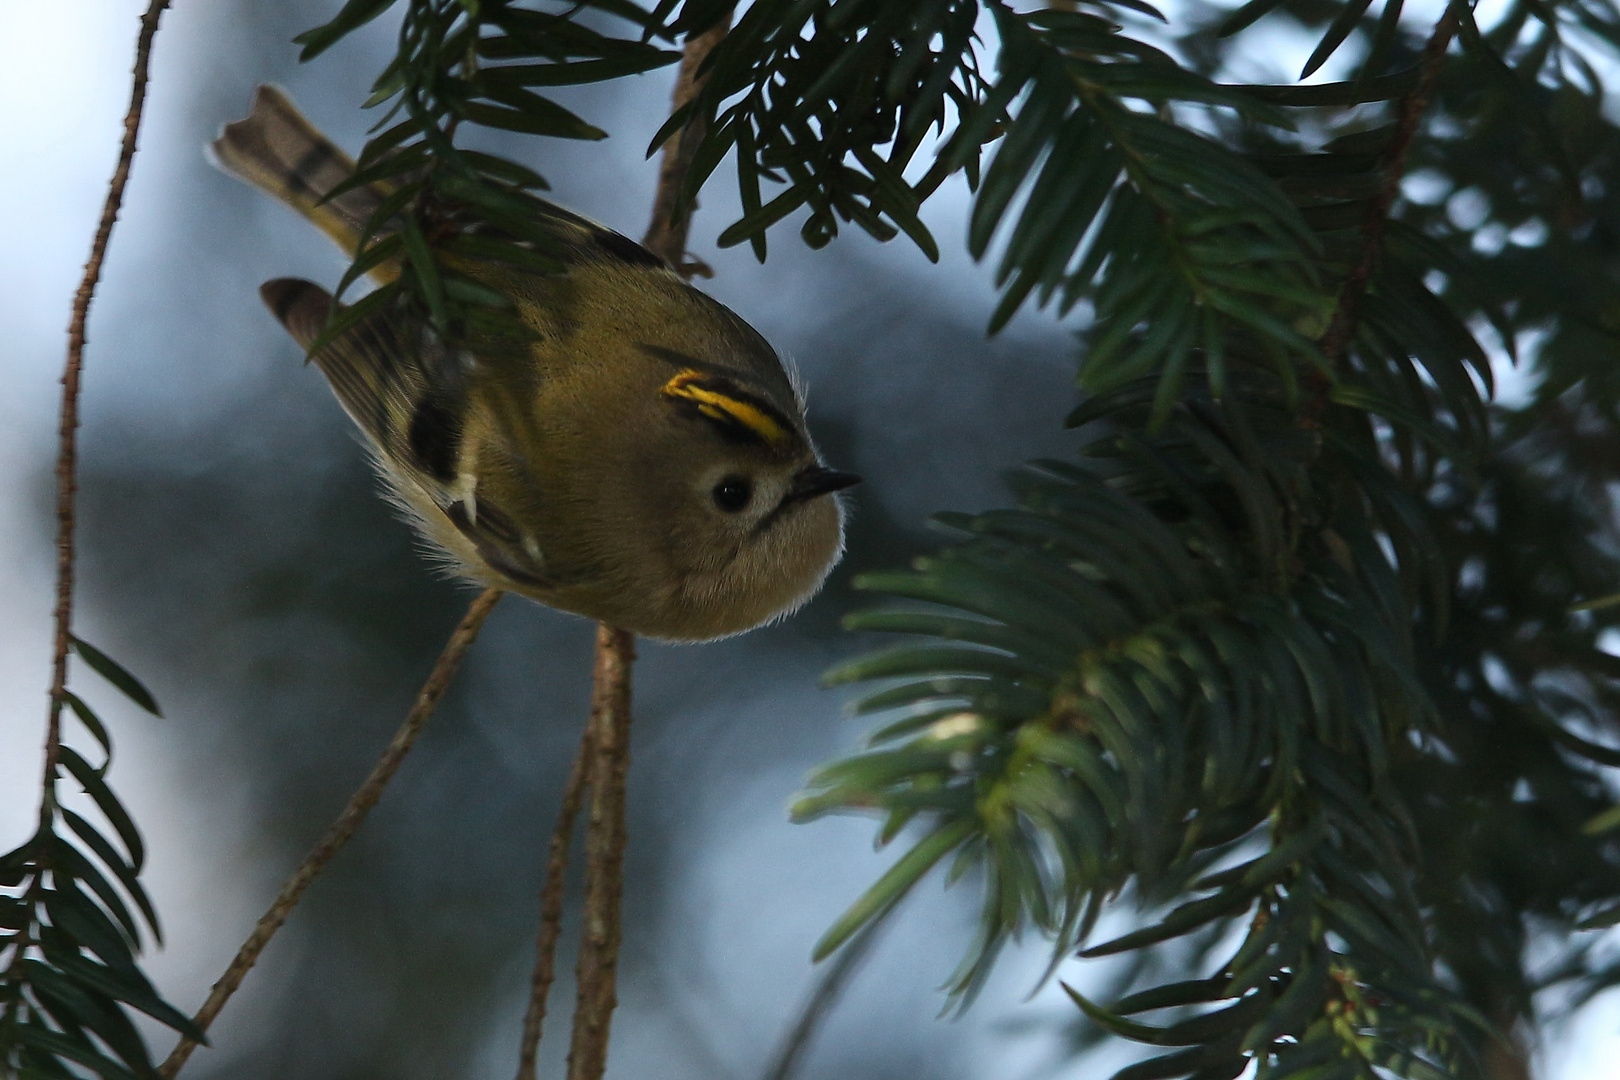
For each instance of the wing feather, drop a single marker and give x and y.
(398, 383)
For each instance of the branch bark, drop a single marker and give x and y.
(604, 755)
(666, 235)
(347, 823)
(67, 454)
(597, 969)
(551, 906)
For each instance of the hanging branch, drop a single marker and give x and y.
(347, 823)
(70, 974)
(666, 234)
(551, 907)
(604, 855)
(1341, 327)
(67, 454)
(794, 1048)
(604, 754)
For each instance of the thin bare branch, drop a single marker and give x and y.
(551, 906)
(835, 977)
(597, 968)
(350, 820)
(605, 751)
(67, 453)
(666, 236)
(20, 945)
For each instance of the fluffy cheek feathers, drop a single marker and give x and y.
(772, 576)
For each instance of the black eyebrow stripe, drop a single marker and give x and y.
(737, 393)
(727, 377)
(676, 358)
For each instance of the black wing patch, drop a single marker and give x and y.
(399, 383)
(435, 434)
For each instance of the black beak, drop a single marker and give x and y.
(815, 480)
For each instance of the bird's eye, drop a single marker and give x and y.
(733, 493)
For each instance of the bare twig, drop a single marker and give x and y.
(21, 945)
(666, 235)
(795, 1045)
(605, 751)
(604, 855)
(1336, 340)
(353, 815)
(551, 906)
(67, 454)
(1507, 1057)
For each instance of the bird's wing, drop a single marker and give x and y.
(397, 382)
(406, 392)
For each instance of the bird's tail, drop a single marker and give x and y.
(278, 151)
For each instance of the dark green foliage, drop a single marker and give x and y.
(68, 932)
(448, 207)
(1152, 685)
(1119, 203)
(1297, 656)
(825, 88)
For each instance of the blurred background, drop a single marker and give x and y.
(237, 559)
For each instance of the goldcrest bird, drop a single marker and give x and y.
(644, 461)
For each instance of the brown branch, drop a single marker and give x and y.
(67, 454)
(1507, 1056)
(604, 754)
(350, 820)
(1336, 340)
(551, 906)
(604, 854)
(666, 235)
(794, 1049)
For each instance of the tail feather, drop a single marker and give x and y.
(278, 151)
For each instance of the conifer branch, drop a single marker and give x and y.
(67, 455)
(344, 828)
(794, 1049)
(1336, 340)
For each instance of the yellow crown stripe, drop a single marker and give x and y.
(718, 405)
